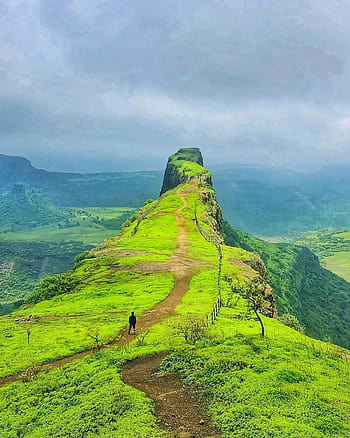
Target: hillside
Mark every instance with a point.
(21, 209)
(302, 287)
(268, 201)
(27, 256)
(164, 266)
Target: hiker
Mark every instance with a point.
(132, 322)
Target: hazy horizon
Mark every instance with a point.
(60, 165)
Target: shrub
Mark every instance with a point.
(53, 285)
(291, 321)
(84, 256)
(191, 327)
(291, 376)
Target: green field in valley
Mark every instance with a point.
(333, 250)
(27, 256)
(88, 225)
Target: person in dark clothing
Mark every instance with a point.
(132, 322)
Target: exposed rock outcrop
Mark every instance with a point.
(174, 174)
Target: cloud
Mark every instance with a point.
(121, 80)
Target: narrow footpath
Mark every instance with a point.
(180, 412)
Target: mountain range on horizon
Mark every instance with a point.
(261, 200)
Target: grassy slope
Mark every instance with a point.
(21, 209)
(27, 256)
(302, 287)
(244, 376)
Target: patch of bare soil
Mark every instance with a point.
(180, 411)
(248, 271)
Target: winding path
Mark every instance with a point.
(177, 409)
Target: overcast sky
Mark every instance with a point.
(121, 84)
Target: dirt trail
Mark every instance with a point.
(179, 410)
(181, 267)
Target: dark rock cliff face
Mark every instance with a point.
(214, 212)
(173, 176)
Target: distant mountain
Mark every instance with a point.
(261, 200)
(272, 201)
(19, 170)
(81, 189)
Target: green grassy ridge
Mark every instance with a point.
(65, 321)
(102, 289)
(278, 386)
(243, 377)
(302, 286)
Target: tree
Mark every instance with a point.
(53, 285)
(94, 334)
(254, 293)
(192, 327)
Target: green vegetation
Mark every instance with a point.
(88, 226)
(21, 209)
(190, 155)
(23, 264)
(285, 385)
(291, 321)
(57, 284)
(302, 287)
(27, 256)
(282, 385)
(333, 249)
(243, 377)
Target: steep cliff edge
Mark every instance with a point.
(185, 167)
(181, 167)
(302, 287)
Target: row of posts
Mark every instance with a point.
(213, 239)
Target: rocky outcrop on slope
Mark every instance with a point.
(174, 173)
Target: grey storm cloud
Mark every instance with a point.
(129, 82)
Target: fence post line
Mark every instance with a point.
(212, 239)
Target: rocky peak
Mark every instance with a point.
(176, 172)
